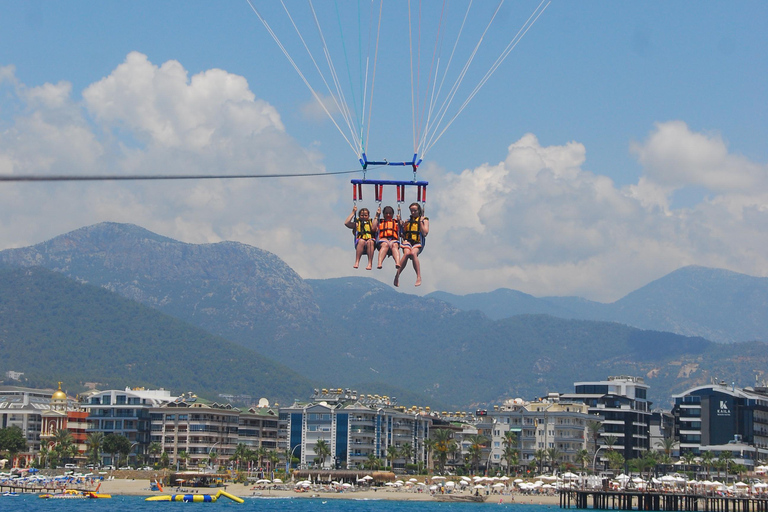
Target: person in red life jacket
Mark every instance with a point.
(365, 234)
(389, 236)
(413, 232)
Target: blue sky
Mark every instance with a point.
(616, 143)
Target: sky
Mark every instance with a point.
(617, 142)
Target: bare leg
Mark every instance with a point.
(358, 252)
(416, 266)
(396, 254)
(383, 250)
(369, 246)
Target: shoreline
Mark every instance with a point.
(130, 487)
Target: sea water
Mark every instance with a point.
(31, 503)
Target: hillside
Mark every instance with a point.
(360, 333)
(716, 304)
(52, 328)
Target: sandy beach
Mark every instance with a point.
(141, 488)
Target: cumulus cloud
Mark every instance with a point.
(540, 223)
(536, 221)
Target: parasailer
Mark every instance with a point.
(364, 230)
(413, 233)
(389, 237)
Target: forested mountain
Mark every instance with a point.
(357, 332)
(53, 328)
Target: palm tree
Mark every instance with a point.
(153, 450)
(582, 457)
(707, 458)
(667, 445)
(593, 428)
(539, 456)
(406, 451)
(725, 458)
(609, 441)
(322, 450)
(183, 457)
(392, 454)
(510, 452)
(476, 444)
(553, 454)
(273, 457)
(240, 455)
(442, 438)
(429, 447)
(94, 441)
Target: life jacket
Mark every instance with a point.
(364, 229)
(388, 229)
(412, 231)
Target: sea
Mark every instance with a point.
(31, 503)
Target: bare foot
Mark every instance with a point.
(355, 265)
(418, 281)
(379, 267)
(397, 280)
(369, 267)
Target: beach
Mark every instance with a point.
(141, 487)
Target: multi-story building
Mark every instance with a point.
(24, 408)
(126, 413)
(625, 410)
(355, 428)
(206, 433)
(718, 414)
(549, 423)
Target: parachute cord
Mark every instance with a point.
(430, 89)
(365, 88)
(410, 54)
(427, 128)
(301, 75)
(511, 46)
(455, 88)
(341, 102)
(373, 78)
(346, 61)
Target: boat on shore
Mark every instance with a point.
(70, 494)
(461, 498)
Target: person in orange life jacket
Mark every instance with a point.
(389, 239)
(413, 231)
(365, 234)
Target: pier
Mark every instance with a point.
(637, 500)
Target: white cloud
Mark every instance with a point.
(535, 221)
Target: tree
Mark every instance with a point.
(442, 438)
(273, 457)
(725, 459)
(429, 447)
(241, 454)
(476, 444)
(540, 456)
(583, 458)
(553, 454)
(707, 458)
(406, 451)
(183, 457)
(62, 443)
(593, 428)
(12, 440)
(153, 450)
(667, 445)
(392, 454)
(615, 459)
(322, 450)
(510, 452)
(94, 442)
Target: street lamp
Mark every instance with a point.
(288, 460)
(210, 450)
(594, 459)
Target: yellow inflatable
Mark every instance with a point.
(195, 498)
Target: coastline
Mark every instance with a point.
(131, 487)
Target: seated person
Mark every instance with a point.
(413, 232)
(389, 236)
(365, 234)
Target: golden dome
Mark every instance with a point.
(59, 395)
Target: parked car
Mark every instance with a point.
(70, 466)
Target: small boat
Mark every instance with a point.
(195, 498)
(461, 498)
(11, 493)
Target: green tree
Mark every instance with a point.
(94, 442)
(510, 452)
(322, 450)
(593, 428)
(273, 457)
(392, 454)
(553, 455)
(667, 445)
(12, 441)
(153, 450)
(583, 458)
(241, 455)
(725, 459)
(442, 438)
(615, 459)
(707, 458)
(476, 444)
(540, 456)
(406, 451)
(164, 459)
(429, 448)
(62, 444)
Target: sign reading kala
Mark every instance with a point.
(723, 409)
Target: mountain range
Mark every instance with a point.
(445, 350)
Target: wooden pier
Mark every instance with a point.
(629, 500)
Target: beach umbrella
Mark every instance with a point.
(479, 487)
(346, 485)
(519, 480)
(413, 480)
(437, 477)
(740, 484)
(463, 482)
(466, 478)
(498, 486)
(504, 478)
(450, 484)
(367, 477)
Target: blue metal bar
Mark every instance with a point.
(413, 163)
(390, 182)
